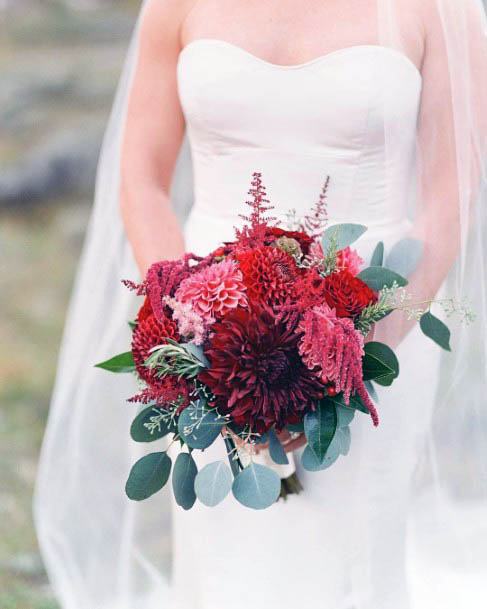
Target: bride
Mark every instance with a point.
(388, 98)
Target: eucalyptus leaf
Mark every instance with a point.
(345, 415)
(149, 425)
(196, 351)
(320, 426)
(341, 235)
(405, 256)
(199, 426)
(183, 479)
(379, 364)
(257, 487)
(213, 483)
(378, 255)
(355, 403)
(435, 329)
(123, 362)
(311, 463)
(148, 476)
(343, 439)
(276, 450)
(378, 277)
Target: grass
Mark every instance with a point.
(34, 288)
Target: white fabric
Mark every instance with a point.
(372, 531)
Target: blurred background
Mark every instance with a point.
(59, 65)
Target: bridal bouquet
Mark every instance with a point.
(262, 340)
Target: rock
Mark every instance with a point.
(64, 165)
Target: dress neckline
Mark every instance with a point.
(299, 66)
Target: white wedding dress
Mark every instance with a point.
(297, 124)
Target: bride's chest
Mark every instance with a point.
(344, 99)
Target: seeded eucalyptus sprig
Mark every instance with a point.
(174, 359)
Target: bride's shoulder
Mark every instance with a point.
(166, 14)
(162, 21)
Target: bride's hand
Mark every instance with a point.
(289, 442)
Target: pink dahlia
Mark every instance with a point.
(332, 345)
(214, 291)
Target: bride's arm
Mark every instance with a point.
(437, 223)
(152, 138)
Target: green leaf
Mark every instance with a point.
(199, 426)
(378, 277)
(405, 256)
(148, 476)
(378, 255)
(355, 403)
(320, 427)
(257, 487)
(342, 235)
(276, 451)
(196, 351)
(296, 427)
(183, 480)
(343, 439)
(148, 425)
(345, 415)
(435, 329)
(380, 364)
(132, 325)
(213, 483)
(311, 463)
(124, 362)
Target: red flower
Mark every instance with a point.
(145, 310)
(149, 333)
(304, 240)
(347, 294)
(268, 274)
(256, 372)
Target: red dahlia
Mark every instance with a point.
(256, 372)
(347, 294)
(268, 274)
(149, 333)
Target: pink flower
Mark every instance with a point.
(214, 291)
(349, 260)
(333, 346)
(191, 326)
(346, 260)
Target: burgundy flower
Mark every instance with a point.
(256, 372)
(347, 294)
(163, 279)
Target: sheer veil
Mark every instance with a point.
(102, 551)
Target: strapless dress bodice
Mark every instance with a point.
(350, 115)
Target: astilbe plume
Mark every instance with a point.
(191, 326)
(254, 233)
(269, 275)
(335, 348)
(214, 291)
(315, 222)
